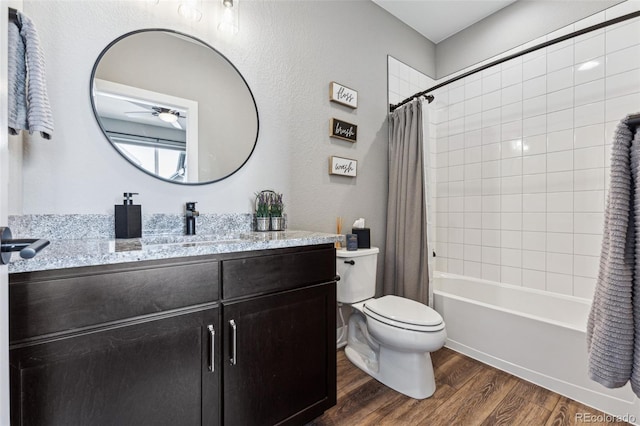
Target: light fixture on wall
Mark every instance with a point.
(229, 22)
(191, 9)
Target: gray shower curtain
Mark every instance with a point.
(406, 253)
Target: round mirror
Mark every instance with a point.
(174, 107)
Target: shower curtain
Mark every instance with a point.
(406, 271)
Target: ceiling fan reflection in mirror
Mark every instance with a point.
(167, 115)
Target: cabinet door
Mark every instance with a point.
(152, 372)
(279, 365)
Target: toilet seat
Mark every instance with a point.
(404, 313)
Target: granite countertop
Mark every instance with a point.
(70, 253)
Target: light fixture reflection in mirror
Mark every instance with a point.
(174, 107)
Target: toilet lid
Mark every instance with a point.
(404, 313)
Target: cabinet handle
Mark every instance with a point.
(232, 323)
(212, 336)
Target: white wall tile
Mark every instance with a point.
(586, 266)
(473, 269)
(560, 263)
(533, 126)
(585, 115)
(623, 84)
(589, 49)
(586, 93)
(532, 184)
(534, 241)
(560, 181)
(560, 79)
(536, 87)
(590, 70)
(584, 287)
(559, 222)
(534, 164)
(534, 145)
(511, 94)
(534, 106)
(559, 242)
(534, 68)
(536, 222)
(534, 279)
(511, 275)
(587, 245)
(589, 201)
(560, 120)
(491, 272)
(559, 283)
(512, 75)
(589, 179)
(623, 60)
(491, 83)
(511, 257)
(560, 58)
(623, 35)
(559, 100)
(589, 136)
(588, 158)
(559, 161)
(618, 108)
(511, 221)
(521, 159)
(491, 238)
(560, 141)
(491, 255)
(534, 202)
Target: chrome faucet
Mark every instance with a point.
(191, 214)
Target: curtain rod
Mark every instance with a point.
(524, 52)
(634, 120)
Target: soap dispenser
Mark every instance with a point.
(128, 218)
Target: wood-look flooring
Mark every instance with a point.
(468, 392)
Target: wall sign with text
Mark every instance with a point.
(343, 166)
(343, 95)
(343, 130)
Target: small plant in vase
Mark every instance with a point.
(276, 208)
(262, 211)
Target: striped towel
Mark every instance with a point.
(614, 319)
(28, 101)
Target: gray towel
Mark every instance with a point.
(28, 101)
(612, 326)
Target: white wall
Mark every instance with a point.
(510, 27)
(522, 162)
(288, 51)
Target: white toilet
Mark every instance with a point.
(389, 338)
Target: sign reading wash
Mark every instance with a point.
(343, 166)
(343, 130)
(343, 95)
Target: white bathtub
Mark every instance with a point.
(535, 335)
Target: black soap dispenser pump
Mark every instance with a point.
(128, 218)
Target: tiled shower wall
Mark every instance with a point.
(521, 158)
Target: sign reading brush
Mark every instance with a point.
(343, 130)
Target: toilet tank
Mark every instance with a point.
(357, 270)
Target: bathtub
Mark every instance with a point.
(535, 335)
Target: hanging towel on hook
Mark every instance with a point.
(27, 98)
(613, 328)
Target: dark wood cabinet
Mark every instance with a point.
(152, 343)
(151, 372)
(276, 362)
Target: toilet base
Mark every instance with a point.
(410, 373)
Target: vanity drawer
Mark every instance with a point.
(270, 273)
(56, 301)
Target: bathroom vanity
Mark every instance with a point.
(234, 338)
